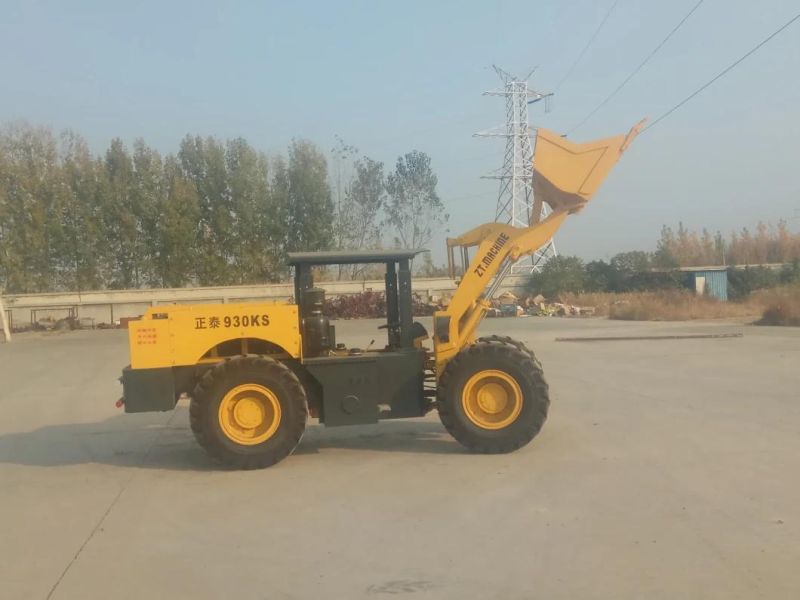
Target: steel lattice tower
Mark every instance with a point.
(515, 201)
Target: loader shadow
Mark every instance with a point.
(159, 441)
(406, 435)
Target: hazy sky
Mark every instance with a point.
(389, 77)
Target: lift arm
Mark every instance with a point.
(566, 176)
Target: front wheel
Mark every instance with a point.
(249, 412)
(493, 397)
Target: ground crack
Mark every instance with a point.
(108, 510)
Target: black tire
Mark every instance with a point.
(204, 411)
(509, 341)
(516, 361)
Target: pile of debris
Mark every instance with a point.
(557, 309)
(65, 324)
(510, 305)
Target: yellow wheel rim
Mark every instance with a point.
(249, 414)
(492, 399)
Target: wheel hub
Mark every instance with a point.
(492, 399)
(249, 414)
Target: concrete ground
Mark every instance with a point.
(668, 469)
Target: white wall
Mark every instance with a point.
(104, 305)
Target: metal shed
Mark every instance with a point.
(709, 281)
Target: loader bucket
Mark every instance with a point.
(566, 175)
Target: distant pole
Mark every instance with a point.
(4, 320)
(515, 201)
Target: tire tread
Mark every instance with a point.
(204, 395)
(506, 350)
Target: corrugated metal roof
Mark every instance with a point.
(709, 268)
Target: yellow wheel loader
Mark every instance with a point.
(255, 372)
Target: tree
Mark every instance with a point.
(203, 163)
(790, 273)
(744, 250)
(344, 156)
(708, 253)
(600, 276)
(560, 274)
(30, 233)
(121, 223)
(761, 244)
(177, 254)
(366, 198)
(147, 196)
(414, 209)
(720, 249)
(429, 269)
(310, 207)
(683, 249)
(84, 258)
(788, 245)
(633, 271)
(253, 212)
(279, 239)
(743, 281)
(628, 263)
(664, 256)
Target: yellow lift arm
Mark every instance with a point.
(566, 176)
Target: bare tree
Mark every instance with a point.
(414, 209)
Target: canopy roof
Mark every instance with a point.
(350, 257)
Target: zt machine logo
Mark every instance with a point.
(234, 321)
(491, 255)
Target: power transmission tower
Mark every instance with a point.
(515, 201)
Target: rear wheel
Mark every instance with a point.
(493, 397)
(249, 412)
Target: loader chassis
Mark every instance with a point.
(358, 386)
(255, 372)
(358, 390)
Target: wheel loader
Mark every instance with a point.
(255, 372)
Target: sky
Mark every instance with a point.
(389, 77)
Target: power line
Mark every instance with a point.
(639, 68)
(588, 45)
(723, 72)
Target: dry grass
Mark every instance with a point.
(665, 306)
(781, 306)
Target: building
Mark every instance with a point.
(709, 281)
